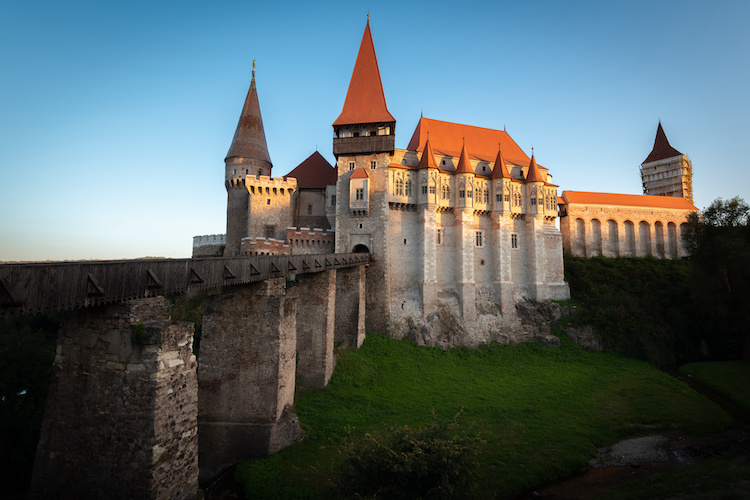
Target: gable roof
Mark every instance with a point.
(249, 139)
(628, 200)
(662, 148)
(314, 173)
(448, 138)
(360, 173)
(365, 100)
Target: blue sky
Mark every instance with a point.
(115, 117)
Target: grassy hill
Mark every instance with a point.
(541, 412)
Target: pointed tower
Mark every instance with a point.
(365, 126)
(666, 171)
(248, 153)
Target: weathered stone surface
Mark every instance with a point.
(350, 307)
(246, 375)
(315, 327)
(119, 422)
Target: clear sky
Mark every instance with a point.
(115, 116)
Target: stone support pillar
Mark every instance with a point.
(464, 245)
(350, 307)
(428, 284)
(121, 414)
(502, 275)
(246, 375)
(316, 294)
(535, 253)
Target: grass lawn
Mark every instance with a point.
(541, 411)
(729, 378)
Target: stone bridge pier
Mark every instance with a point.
(258, 340)
(121, 415)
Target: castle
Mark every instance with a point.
(461, 223)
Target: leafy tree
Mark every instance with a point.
(718, 240)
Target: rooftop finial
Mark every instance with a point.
(253, 69)
(368, 18)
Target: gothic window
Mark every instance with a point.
(446, 192)
(360, 194)
(516, 199)
(269, 232)
(468, 192)
(424, 189)
(399, 187)
(486, 195)
(514, 240)
(479, 238)
(408, 187)
(478, 194)
(432, 189)
(497, 197)
(461, 193)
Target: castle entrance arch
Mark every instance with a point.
(360, 249)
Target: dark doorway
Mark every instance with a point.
(361, 249)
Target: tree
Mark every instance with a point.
(718, 240)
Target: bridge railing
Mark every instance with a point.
(41, 287)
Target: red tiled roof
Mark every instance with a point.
(447, 139)
(533, 175)
(360, 173)
(365, 100)
(464, 165)
(628, 200)
(314, 173)
(662, 149)
(249, 138)
(500, 171)
(428, 157)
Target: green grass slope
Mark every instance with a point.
(542, 412)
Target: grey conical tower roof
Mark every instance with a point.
(249, 142)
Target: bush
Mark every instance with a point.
(433, 461)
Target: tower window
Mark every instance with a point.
(360, 194)
(479, 238)
(373, 163)
(333, 200)
(351, 165)
(268, 202)
(440, 236)
(514, 241)
(309, 209)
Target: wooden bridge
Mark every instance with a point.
(32, 288)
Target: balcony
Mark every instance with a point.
(360, 145)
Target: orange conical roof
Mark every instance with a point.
(428, 157)
(533, 174)
(662, 149)
(501, 170)
(365, 100)
(464, 165)
(250, 139)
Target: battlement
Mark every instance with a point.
(209, 245)
(304, 240)
(263, 246)
(263, 184)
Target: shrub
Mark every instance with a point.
(431, 462)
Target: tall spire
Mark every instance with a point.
(534, 175)
(249, 142)
(662, 148)
(365, 100)
(501, 170)
(464, 165)
(428, 157)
